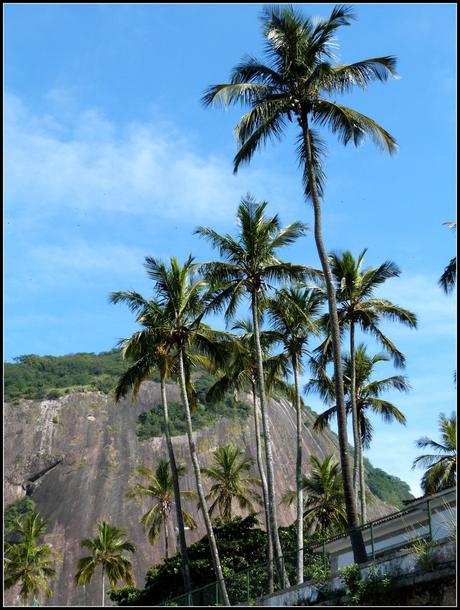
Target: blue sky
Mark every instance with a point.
(111, 157)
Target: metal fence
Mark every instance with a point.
(425, 517)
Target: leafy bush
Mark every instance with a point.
(365, 591)
(424, 557)
(16, 509)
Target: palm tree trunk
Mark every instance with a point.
(356, 537)
(354, 416)
(177, 499)
(103, 586)
(298, 473)
(166, 539)
(263, 480)
(199, 485)
(277, 551)
(362, 483)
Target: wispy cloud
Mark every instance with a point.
(81, 160)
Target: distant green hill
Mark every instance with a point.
(38, 377)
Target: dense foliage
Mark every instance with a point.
(16, 509)
(151, 422)
(32, 376)
(241, 549)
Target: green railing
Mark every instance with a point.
(253, 583)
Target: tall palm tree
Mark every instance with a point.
(293, 313)
(358, 307)
(231, 481)
(251, 268)
(324, 506)
(449, 277)
(28, 562)
(367, 393)
(148, 354)
(107, 550)
(441, 466)
(180, 291)
(239, 375)
(297, 84)
(160, 489)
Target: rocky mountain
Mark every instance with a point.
(74, 455)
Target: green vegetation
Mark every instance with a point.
(15, 510)
(441, 466)
(107, 550)
(37, 377)
(151, 424)
(365, 591)
(386, 486)
(159, 489)
(29, 563)
(243, 557)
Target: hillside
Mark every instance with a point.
(38, 377)
(72, 457)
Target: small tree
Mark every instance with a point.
(441, 466)
(159, 488)
(27, 562)
(324, 502)
(107, 550)
(229, 475)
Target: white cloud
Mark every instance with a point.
(421, 294)
(90, 164)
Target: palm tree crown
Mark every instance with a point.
(441, 466)
(299, 79)
(252, 265)
(324, 506)
(293, 314)
(368, 392)
(358, 306)
(449, 277)
(231, 482)
(159, 488)
(28, 562)
(107, 549)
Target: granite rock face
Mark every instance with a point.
(74, 457)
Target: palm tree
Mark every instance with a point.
(324, 506)
(240, 374)
(251, 268)
(367, 398)
(160, 489)
(231, 482)
(297, 84)
(107, 550)
(293, 314)
(180, 292)
(449, 277)
(27, 562)
(442, 466)
(358, 307)
(148, 354)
